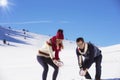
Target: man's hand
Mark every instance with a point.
(83, 72)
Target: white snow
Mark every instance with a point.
(18, 60)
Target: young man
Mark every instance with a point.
(49, 54)
(91, 54)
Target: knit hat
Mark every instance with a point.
(60, 34)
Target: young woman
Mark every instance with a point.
(49, 54)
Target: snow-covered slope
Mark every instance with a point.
(18, 60)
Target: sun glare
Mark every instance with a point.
(5, 6)
(3, 3)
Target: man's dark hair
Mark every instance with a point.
(79, 39)
(60, 30)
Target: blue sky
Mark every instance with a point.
(97, 21)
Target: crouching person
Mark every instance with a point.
(91, 54)
(49, 54)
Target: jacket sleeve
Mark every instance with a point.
(79, 57)
(50, 51)
(89, 61)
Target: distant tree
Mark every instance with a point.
(9, 30)
(23, 29)
(4, 41)
(9, 27)
(24, 32)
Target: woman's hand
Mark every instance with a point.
(58, 63)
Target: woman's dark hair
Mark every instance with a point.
(79, 39)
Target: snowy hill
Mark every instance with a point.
(18, 59)
(9, 35)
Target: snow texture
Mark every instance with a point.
(18, 59)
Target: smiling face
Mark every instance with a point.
(59, 41)
(80, 44)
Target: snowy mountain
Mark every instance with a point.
(18, 58)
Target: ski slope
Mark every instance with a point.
(18, 59)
